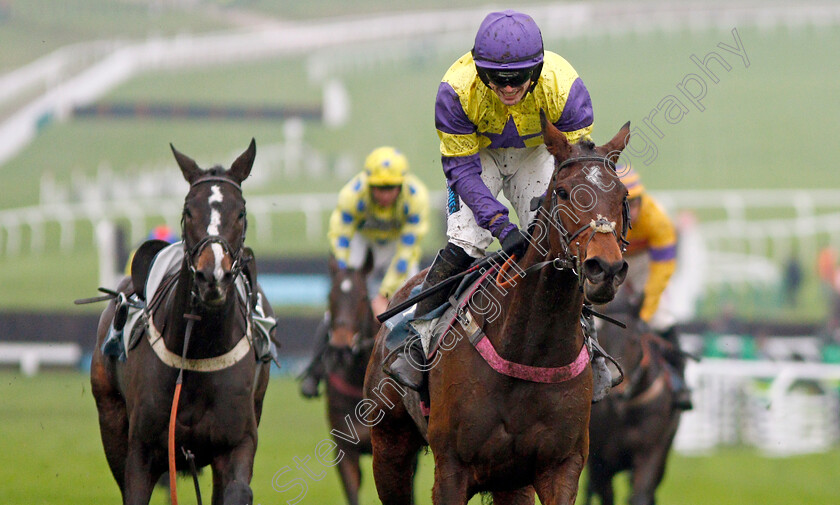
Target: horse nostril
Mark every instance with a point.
(201, 277)
(622, 271)
(593, 269)
(227, 278)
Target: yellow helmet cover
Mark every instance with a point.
(631, 181)
(386, 166)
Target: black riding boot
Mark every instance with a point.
(449, 261)
(315, 371)
(675, 359)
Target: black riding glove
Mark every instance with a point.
(515, 243)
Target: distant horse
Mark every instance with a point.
(525, 427)
(634, 427)
(221, 396)
(351, 331)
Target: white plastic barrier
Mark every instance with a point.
(30, 356)
(781, 407)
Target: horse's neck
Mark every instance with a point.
(216, 323)
(540, 318)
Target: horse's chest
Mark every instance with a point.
(522, 430)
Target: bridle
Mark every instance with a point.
(191, 252)
(572, 261)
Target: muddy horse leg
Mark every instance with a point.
(232, 475)
(524, 496)
(559, 486)
(351, 475)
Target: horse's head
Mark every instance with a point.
(349, 305)
(586, 211)
(214, 224)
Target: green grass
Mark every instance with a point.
(51, 454)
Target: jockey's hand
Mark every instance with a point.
(379, 305)
(515, 243)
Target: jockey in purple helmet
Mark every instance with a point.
(487, 115)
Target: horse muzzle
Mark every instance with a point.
(213, 289)
(601, 279)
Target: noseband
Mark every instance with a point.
(190, 253)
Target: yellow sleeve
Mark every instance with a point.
(662, 250)
(658, 277)
(407, 256)
(345, 218)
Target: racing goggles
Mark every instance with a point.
(509, 77)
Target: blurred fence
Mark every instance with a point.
(781, 407)
(735, 246)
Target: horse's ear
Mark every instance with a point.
(555, 141)
(612, 149)
(188, 166)
(368, 266)
(333, 265)
(241, 168)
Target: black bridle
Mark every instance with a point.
(234, 251)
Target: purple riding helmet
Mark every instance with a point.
(508, 49)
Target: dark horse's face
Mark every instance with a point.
(214, 224)
(349, 304)
(588, 208)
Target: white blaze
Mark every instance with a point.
(215, 216)
(213, 229)
(219, 254)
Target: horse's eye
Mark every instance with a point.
(241, 215)
(187, 213)
(562, 193)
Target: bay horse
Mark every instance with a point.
(351, 330)
(201, 326)
(634, 427)
(508, 435)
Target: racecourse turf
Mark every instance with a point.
(50, 454)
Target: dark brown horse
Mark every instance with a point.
(505, 434)
(223, 384)
(634, 427)
(351, 330)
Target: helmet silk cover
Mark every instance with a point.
(508, 40)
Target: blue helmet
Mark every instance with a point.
(508, 48)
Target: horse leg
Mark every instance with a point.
(600, 483)
(232, 475)
(450, 483)
(351, 475)
(559, 486)
(110, 404)
(395, 462)
(524, 496)
(139, 478)
(648, 470)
